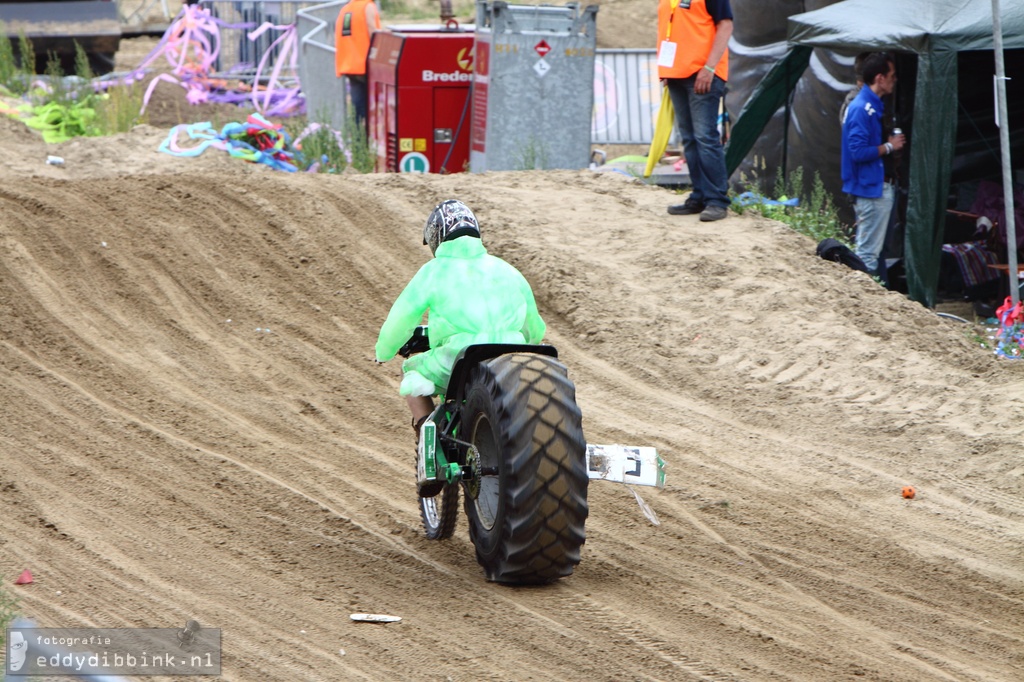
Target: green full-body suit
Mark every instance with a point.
(472, 297)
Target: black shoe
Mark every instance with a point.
(689, 207)
(712, 213)
(984, 310)
(430, 488)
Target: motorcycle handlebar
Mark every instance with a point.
(417, 343)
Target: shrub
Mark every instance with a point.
(815, 215)
(8, 611)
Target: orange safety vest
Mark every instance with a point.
(693, 32)
(352, 39)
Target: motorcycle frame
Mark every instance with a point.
(448, 415)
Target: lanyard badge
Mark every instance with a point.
(673, 6)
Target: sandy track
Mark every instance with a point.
(165, 457)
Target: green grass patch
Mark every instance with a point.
(117, 110)
(16, 76)
(333, 151)
(8, 612)
(815, 214)
(531, 155)
(399, 9)
(68, 106)
(357, 141)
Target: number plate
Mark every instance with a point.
(626, 464)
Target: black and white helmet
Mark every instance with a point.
(449, 219)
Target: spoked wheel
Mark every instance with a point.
(528, 506)
(440, 512)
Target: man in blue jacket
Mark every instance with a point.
(472, 297)
(862, 165)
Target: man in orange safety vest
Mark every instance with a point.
(357, 20)
(693, 61)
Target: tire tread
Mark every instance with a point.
(543, 528)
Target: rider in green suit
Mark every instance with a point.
(472, 297)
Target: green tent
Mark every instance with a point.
(938, 39)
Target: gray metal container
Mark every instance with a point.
(533, 86)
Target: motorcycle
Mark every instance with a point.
(509, 435)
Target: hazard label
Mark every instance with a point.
(542, 48)
(541, 67)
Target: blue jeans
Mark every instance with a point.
(697, 118)
(357, 90)
(872, 222)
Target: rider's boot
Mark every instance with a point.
(416, 424)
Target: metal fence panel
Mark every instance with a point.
(239, 56)
(627, 95)
(324, 92)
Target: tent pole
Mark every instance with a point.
(1004, 148)
(785, 131)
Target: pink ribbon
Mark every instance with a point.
(287, 44)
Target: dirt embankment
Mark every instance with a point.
(193, 429)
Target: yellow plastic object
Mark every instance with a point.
(662, 132)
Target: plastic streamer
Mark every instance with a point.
(1010, 337)
(192, 45)
(61, 122)
(651, 515)
(257, 140)
(278, 100)
(750, 198)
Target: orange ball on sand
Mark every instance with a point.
(909, 492)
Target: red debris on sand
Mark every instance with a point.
(25, 578)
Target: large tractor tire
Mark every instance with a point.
(528, 508)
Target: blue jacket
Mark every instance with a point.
(863, 170)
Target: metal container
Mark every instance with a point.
(419, 82)
(533, 86)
